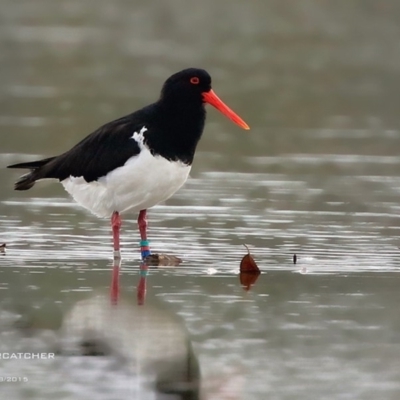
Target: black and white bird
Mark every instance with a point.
(137, 161)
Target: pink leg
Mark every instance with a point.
(114, 290)
(141, 289)
(116, 226)
(144, 244)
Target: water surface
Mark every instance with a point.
(318, 176)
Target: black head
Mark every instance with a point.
(187, 85)
(191, 89)
(178, 117)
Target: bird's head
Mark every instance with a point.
(193, 86)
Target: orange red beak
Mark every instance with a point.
(211, 98)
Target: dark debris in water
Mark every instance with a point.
(162, 260)
(3, 248)
(94, 347)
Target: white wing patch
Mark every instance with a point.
(139, 136)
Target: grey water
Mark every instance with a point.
(318, 175)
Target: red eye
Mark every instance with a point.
(195, 80)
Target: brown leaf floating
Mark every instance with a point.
(248, 264)
(249, 271)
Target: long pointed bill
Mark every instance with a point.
(211, 98)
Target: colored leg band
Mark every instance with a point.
(145, 253)
(144, 243)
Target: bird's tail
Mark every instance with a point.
(26, 181)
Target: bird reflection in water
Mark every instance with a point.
(152, 260)
(115, 287)
(143, 338)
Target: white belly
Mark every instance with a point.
(144, 181)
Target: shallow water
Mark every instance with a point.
(317, 176)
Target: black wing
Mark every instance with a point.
(106, 149)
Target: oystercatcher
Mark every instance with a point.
(139, 160)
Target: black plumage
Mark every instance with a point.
(174, 126)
